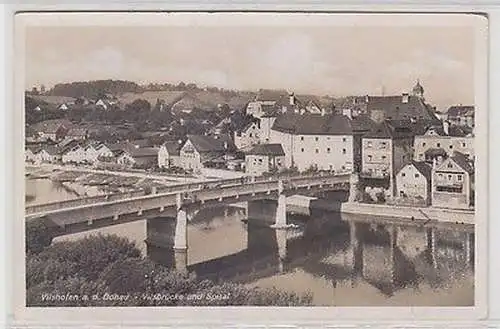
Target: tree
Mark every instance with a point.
(38, 235)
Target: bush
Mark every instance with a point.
(38, 235)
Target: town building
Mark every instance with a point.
(453, 182)
(74, 154)
(385, 150)
(63, 107)
(201, 151)
(248, 135)
(53, 130)
(461, 115)
(77, 133)
(169, 154)
(264, 158)
(413, 184)
(319, 141)
(102, 104)
(139, 157)
(442, 141)
(47, 154)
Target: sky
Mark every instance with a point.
(321, 60)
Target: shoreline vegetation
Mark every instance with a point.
(107, 270)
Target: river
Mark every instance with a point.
(384, 265)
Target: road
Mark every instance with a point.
(156, 176)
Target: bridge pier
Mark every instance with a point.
(280, 214)
(468, 246)
(180, 238)
(357, 249)
(431, 245)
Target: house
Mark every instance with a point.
(385, 150)
(461, 115)
(30, 153)
(54, 130)
(102, 151)
(264, 158)
(413, 183)
(169, 154)
(139, 157)
(248, 135)
(74, 154)
(47, 154)
(201, 151)
(322, 141)
(77, 133)
(102, 104)
(37, 109)
(443, 139)
(124, 158)
(452, 182)
(63, 107)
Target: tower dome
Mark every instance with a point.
(418, 90)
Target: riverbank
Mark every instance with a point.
(300, 204)
(415, 213)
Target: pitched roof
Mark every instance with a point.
(172, 147)
(387, 129)
(423, 168)
(394, 108)
(270, 95)
(267, 149)
(313, 124)
(461, 160)
(453, 130)
(205, 143)
(144, 152)
(460, 110)
(362, 123)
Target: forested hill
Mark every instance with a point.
(94, 89)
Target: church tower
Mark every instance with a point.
(418, 90)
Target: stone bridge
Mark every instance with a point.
(180, 203)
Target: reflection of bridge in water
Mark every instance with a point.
(336, 247)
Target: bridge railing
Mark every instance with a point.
(172, 189)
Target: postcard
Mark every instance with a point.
(192, 166)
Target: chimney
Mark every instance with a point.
(367, 98)
(347, 113)
(405, 98)
(292, 99)
(446, 127)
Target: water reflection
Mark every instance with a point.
(43, 190)
(339, 251)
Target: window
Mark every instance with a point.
(343, 167)
(250, 135)
(459, 177)
(384, 157)
(316, 139)
(423, 144)
(344, 139)
(369, 144)
(302, 150)
(328, 150)
(369, 158)
(438, 144)
(301, 138)
(260, 160)
(463, 144)
(344, 151)
(440, 175)
(383, 145)
(417, 175)
(317, 150)
(451, 146)
(403, 175)
(450, 165)
(449, 177)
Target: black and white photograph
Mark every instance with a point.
(251, 160)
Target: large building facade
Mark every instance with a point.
(323, 142)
